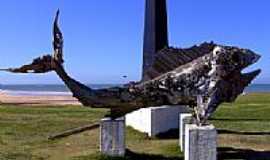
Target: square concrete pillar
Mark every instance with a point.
(200, 142)
(112, 137)
(184, 118)
(156, 120)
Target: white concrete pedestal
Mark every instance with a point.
(184, 119)
(156, 120)
(200, 142)
(112, 137)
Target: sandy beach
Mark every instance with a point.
(6, 98)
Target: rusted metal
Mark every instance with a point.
(209, 70)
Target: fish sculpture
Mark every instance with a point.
(201, 77)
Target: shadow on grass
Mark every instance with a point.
(224, 153)
(137, 156)
(238, 120)
(224, 131)
(174, 134)
(130, 156)
(227, 153)
(171, 134)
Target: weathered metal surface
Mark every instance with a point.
(211, 71)
(169, 58)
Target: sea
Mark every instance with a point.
(44, 89)
(57, 89)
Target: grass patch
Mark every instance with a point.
(243, 128)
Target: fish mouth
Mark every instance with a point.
(256, 58)
(247, 78)
(253, 74)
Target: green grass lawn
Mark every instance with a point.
(244, 131)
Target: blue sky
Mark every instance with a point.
(103, 38)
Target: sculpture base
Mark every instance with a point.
(112, 137)
(200, 142)
(156, 120)
(184, 119)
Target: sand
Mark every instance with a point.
(38, 100)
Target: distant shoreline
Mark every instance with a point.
(62, 90)
(37, 100)
(36, 93)
(50, 100)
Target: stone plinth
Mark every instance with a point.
(184, 118)
(112, 137)
(200, 142)
(156, 120)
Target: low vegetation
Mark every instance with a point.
(244, 131)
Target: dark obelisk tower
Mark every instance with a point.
(155, 32)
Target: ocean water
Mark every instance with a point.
(63, 90)
(41, 89)
(262, 88)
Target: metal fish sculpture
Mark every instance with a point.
(201, 77)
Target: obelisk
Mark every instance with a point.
(155, 32)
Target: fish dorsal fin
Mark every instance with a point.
(170, 58)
